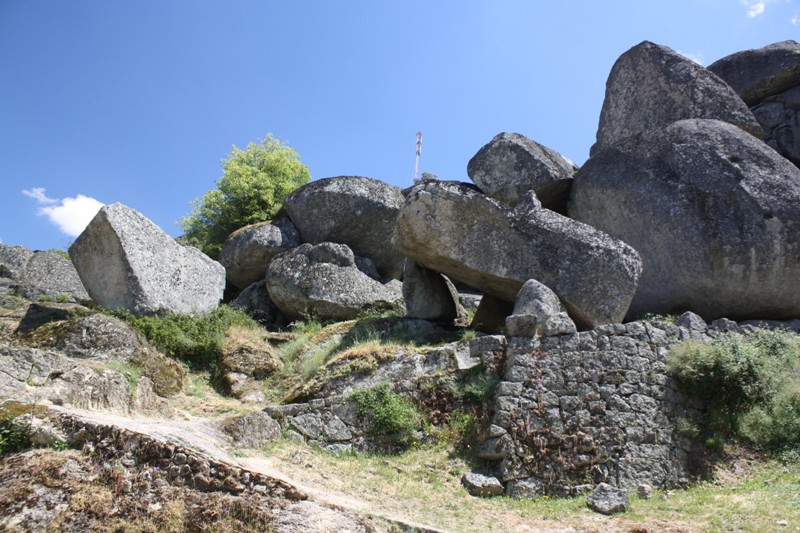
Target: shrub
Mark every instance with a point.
(196, 340)
(389, 416)
(749, 385)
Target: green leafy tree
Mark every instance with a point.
(254, 183)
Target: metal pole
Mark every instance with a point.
(419, 151)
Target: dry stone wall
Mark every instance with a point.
(591, 407)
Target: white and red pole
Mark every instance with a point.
(419, 151)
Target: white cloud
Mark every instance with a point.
(795, 20)
(756, 7)
(71, 215)
(37, 193)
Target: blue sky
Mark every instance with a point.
(137, 101)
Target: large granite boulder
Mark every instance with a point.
(359, 212)
(328, 282)
(255, 301)
(651, 86)
(247, 251)
(125, 261)
(454, 229)
(537, 311)
(40, 274)
(760, 73)
(511, 165)
(714, 213)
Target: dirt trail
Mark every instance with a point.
(203, 435)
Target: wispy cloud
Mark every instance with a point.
(795, 20)
(697, 57)
(71, 215)
(756, 7)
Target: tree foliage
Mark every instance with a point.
(254, 183)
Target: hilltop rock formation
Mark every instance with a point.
(39, 274)
(768, 79)
(247, 251)
(125, 261)
(760, 73)
(454, 229)
(356, 211)
(328, 281)
(651, 86)
(714, 213)
(511, 165)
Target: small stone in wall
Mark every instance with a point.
(608, 500)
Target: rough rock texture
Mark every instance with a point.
(247, 251)
(96, 336)
(452, 228)
(252, 430)
(356, 211)
(29, 374)
(713, 212)
(480, 485)
(757, 74)
(40, 274)
(431, 296)
(511, 165)
(608, 500)
(593, 407)
(126, 261)
(536, 310)
(779, 115)
(325, 281)
(255, 301)
(491, 314)
(651, 86)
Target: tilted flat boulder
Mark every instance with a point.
(325, 281)
(40, 274)
(125, 261)
(356, 211)
(511, 165)
(456, 230)
(651, 86)
(757, 74)
(247, 251)
(714, 213)
(430, 295)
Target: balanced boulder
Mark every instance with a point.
(760, 73)
(511, 165)
(454, 229)
(651, 86)
(714, 213)
(125, 261)
(359, 212)
(247, 251)
(327, 281)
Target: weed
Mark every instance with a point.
(62, 298)
(44, 298)
(389, 416)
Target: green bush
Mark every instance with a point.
(196, 340)
(389, 416)
(254, 183)
(749, 385)
(14, 437)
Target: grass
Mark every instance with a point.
(423, 485)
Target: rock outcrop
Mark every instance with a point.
(247, 251)
(511, 165)
(356, 211)
(762, 72)
(431, 296)
(125, 261)
(538, 311)
(327, 281)
(651, 86)
(714, 213)
(454, 229)
(40, 275)
(768, 80)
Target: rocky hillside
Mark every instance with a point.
(536, 322)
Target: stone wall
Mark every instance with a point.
(173, 463)
(590, 407)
